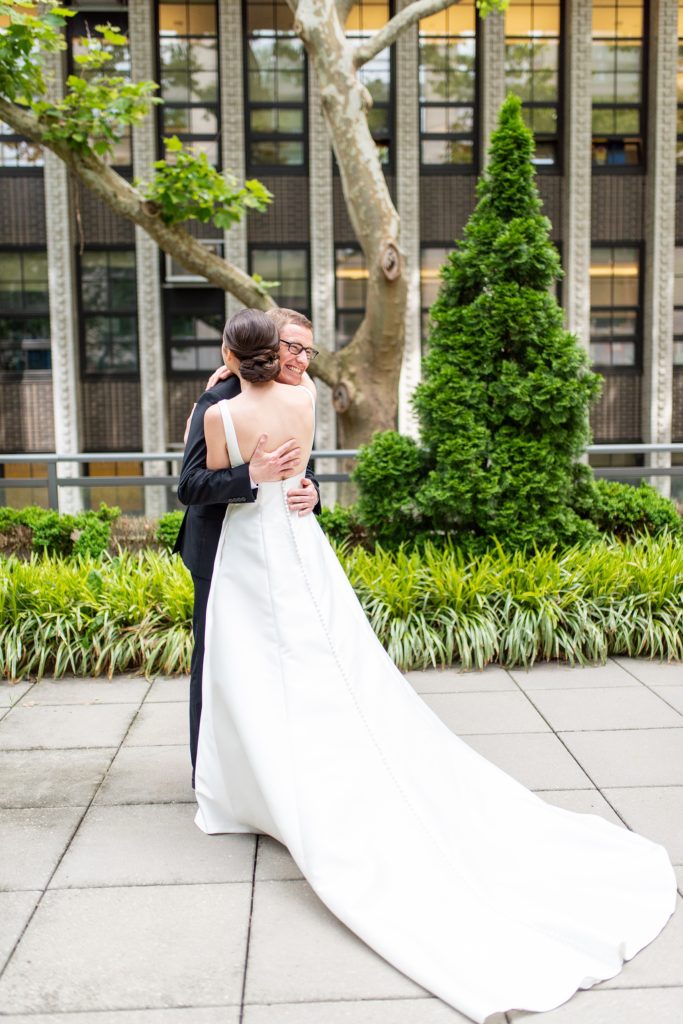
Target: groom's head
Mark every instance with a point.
(297, 330)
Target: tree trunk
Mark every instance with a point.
(366, 373)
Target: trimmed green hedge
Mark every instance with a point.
(133, 613)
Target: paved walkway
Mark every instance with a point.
(115, 909)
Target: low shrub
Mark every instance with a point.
(48, 531)
(626, 511)
(133, 613)
(341, 525)
(167, 530)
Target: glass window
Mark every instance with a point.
(15, 151)
(188, 75)
(532, 70)
(617, 83)
(82, 27)
(615, 305)
(275, 87)
(448, 87)
(433, 258)
(109, 312)
(351, 281)
(365, 17)
(24, 312)
(194, 321)
(289, 267)
(128, 497)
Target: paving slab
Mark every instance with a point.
(72, 726)
(148, 845)
(160, 724)
(52, 778)
(537, 760)
(453, 680)
(655, 812)
(274, 862)
(654, 673)
(600, 1006)
(11, 693)
(659, 964)
(195, 1015)
(163, 946)
(673, 695)
(32, 841)
(633, 757)
(100, 690)
(558, 675)
(466, 713)
(604, 708)
(148, 775)
(15, 910)
(299, 952)
(368, 1011)
(583, 801)
(165, 689)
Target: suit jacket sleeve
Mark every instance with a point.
(197, 484)
(309, 473)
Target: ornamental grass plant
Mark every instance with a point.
(433, 607)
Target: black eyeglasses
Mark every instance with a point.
(296, 349)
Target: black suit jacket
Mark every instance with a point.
(208, 492)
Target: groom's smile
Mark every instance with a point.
(293, 367)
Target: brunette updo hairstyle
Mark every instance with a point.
(254, 339)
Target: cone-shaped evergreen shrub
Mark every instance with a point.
(503, 405)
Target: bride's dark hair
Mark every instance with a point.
(254, 339)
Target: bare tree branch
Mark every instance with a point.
(393, 28)
(343, 10)
(121, 197)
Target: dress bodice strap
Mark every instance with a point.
(234, 452)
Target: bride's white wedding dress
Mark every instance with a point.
(455, 873)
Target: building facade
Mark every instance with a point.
(105, 342)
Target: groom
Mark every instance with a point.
(207, 493)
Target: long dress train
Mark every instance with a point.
(450, 869)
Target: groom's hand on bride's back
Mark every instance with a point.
(266, 467)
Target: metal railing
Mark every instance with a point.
(170, 462)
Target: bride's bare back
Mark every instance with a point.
(283, 412)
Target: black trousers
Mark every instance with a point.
(201, 599)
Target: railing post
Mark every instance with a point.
(52, 485)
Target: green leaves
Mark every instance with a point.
(29, 29)
(186, 187)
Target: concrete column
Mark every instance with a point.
(142, 38)
(232, 127)
(492, 62)
(408, 202)
(322, 272)
(577, 196)
(660, 208)
(62, 291)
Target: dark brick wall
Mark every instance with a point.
(111, 415)
(22, 211)
(26, 420)
(180, 397)
(96, 224)
(445, 206)
(677, 424)
(617, 208)
(616, 416)
(286, 219)
(550, 189)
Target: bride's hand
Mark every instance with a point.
(222, 373)
(266, 467)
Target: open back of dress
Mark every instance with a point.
(450, 869)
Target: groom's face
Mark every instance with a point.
(292, 367)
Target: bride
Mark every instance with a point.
(451, 870)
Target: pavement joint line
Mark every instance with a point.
(68, 844)
(248, 939)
